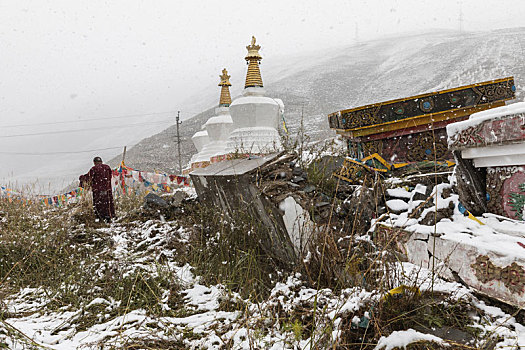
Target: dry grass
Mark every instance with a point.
(227, 251)
(61, 249)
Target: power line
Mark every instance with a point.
(94, 119)
(59, 152)
(82, 130)
(84, 120)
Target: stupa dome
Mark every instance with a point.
(255, 116)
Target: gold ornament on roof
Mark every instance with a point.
(253, 50)
(225, 78)
(225, 99)
(253, 58)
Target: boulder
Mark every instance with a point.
(154, 201)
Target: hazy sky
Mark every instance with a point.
(68, 62)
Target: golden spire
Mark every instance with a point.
(253, 58)
(225, 99)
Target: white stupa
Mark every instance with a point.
(255, 116)
(220, 126)
(199, 139)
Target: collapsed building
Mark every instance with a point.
(412, 129)
(471, 130)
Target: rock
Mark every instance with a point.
(449, 333)
(397, 206)
(447, 192)
(177, 198)
(297, 179)
(430, 219)
(324, 198)
(155, 202)
(420, 193)
(168, 207)
(309, 189)
(398, 192)
(321, 204)
(297, 171)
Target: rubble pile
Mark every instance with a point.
(432, 229)
(305, 213)
(412, 213)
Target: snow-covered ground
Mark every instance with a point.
(210, 316)
(256, 326)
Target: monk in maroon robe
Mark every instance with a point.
(99, 177)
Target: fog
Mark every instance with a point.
(80, 79)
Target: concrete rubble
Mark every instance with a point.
(272, 190)
(415, 215)
(486, 253)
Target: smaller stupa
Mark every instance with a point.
(255, 116)
(220, 126)
(199, 139)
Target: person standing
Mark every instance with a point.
(99, 177)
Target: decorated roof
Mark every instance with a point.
(449, 103)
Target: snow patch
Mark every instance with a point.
(401, 339)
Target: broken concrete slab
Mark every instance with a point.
(298, 224)
(490, 151)
(233, 186)
(491, 271)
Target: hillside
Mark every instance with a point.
(320, 83)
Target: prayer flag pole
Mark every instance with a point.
(124, 155)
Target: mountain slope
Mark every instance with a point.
(364, 73)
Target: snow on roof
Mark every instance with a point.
(478, 118)
(234, 166)
(202, 133)
(220, 119)
(254, 100)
